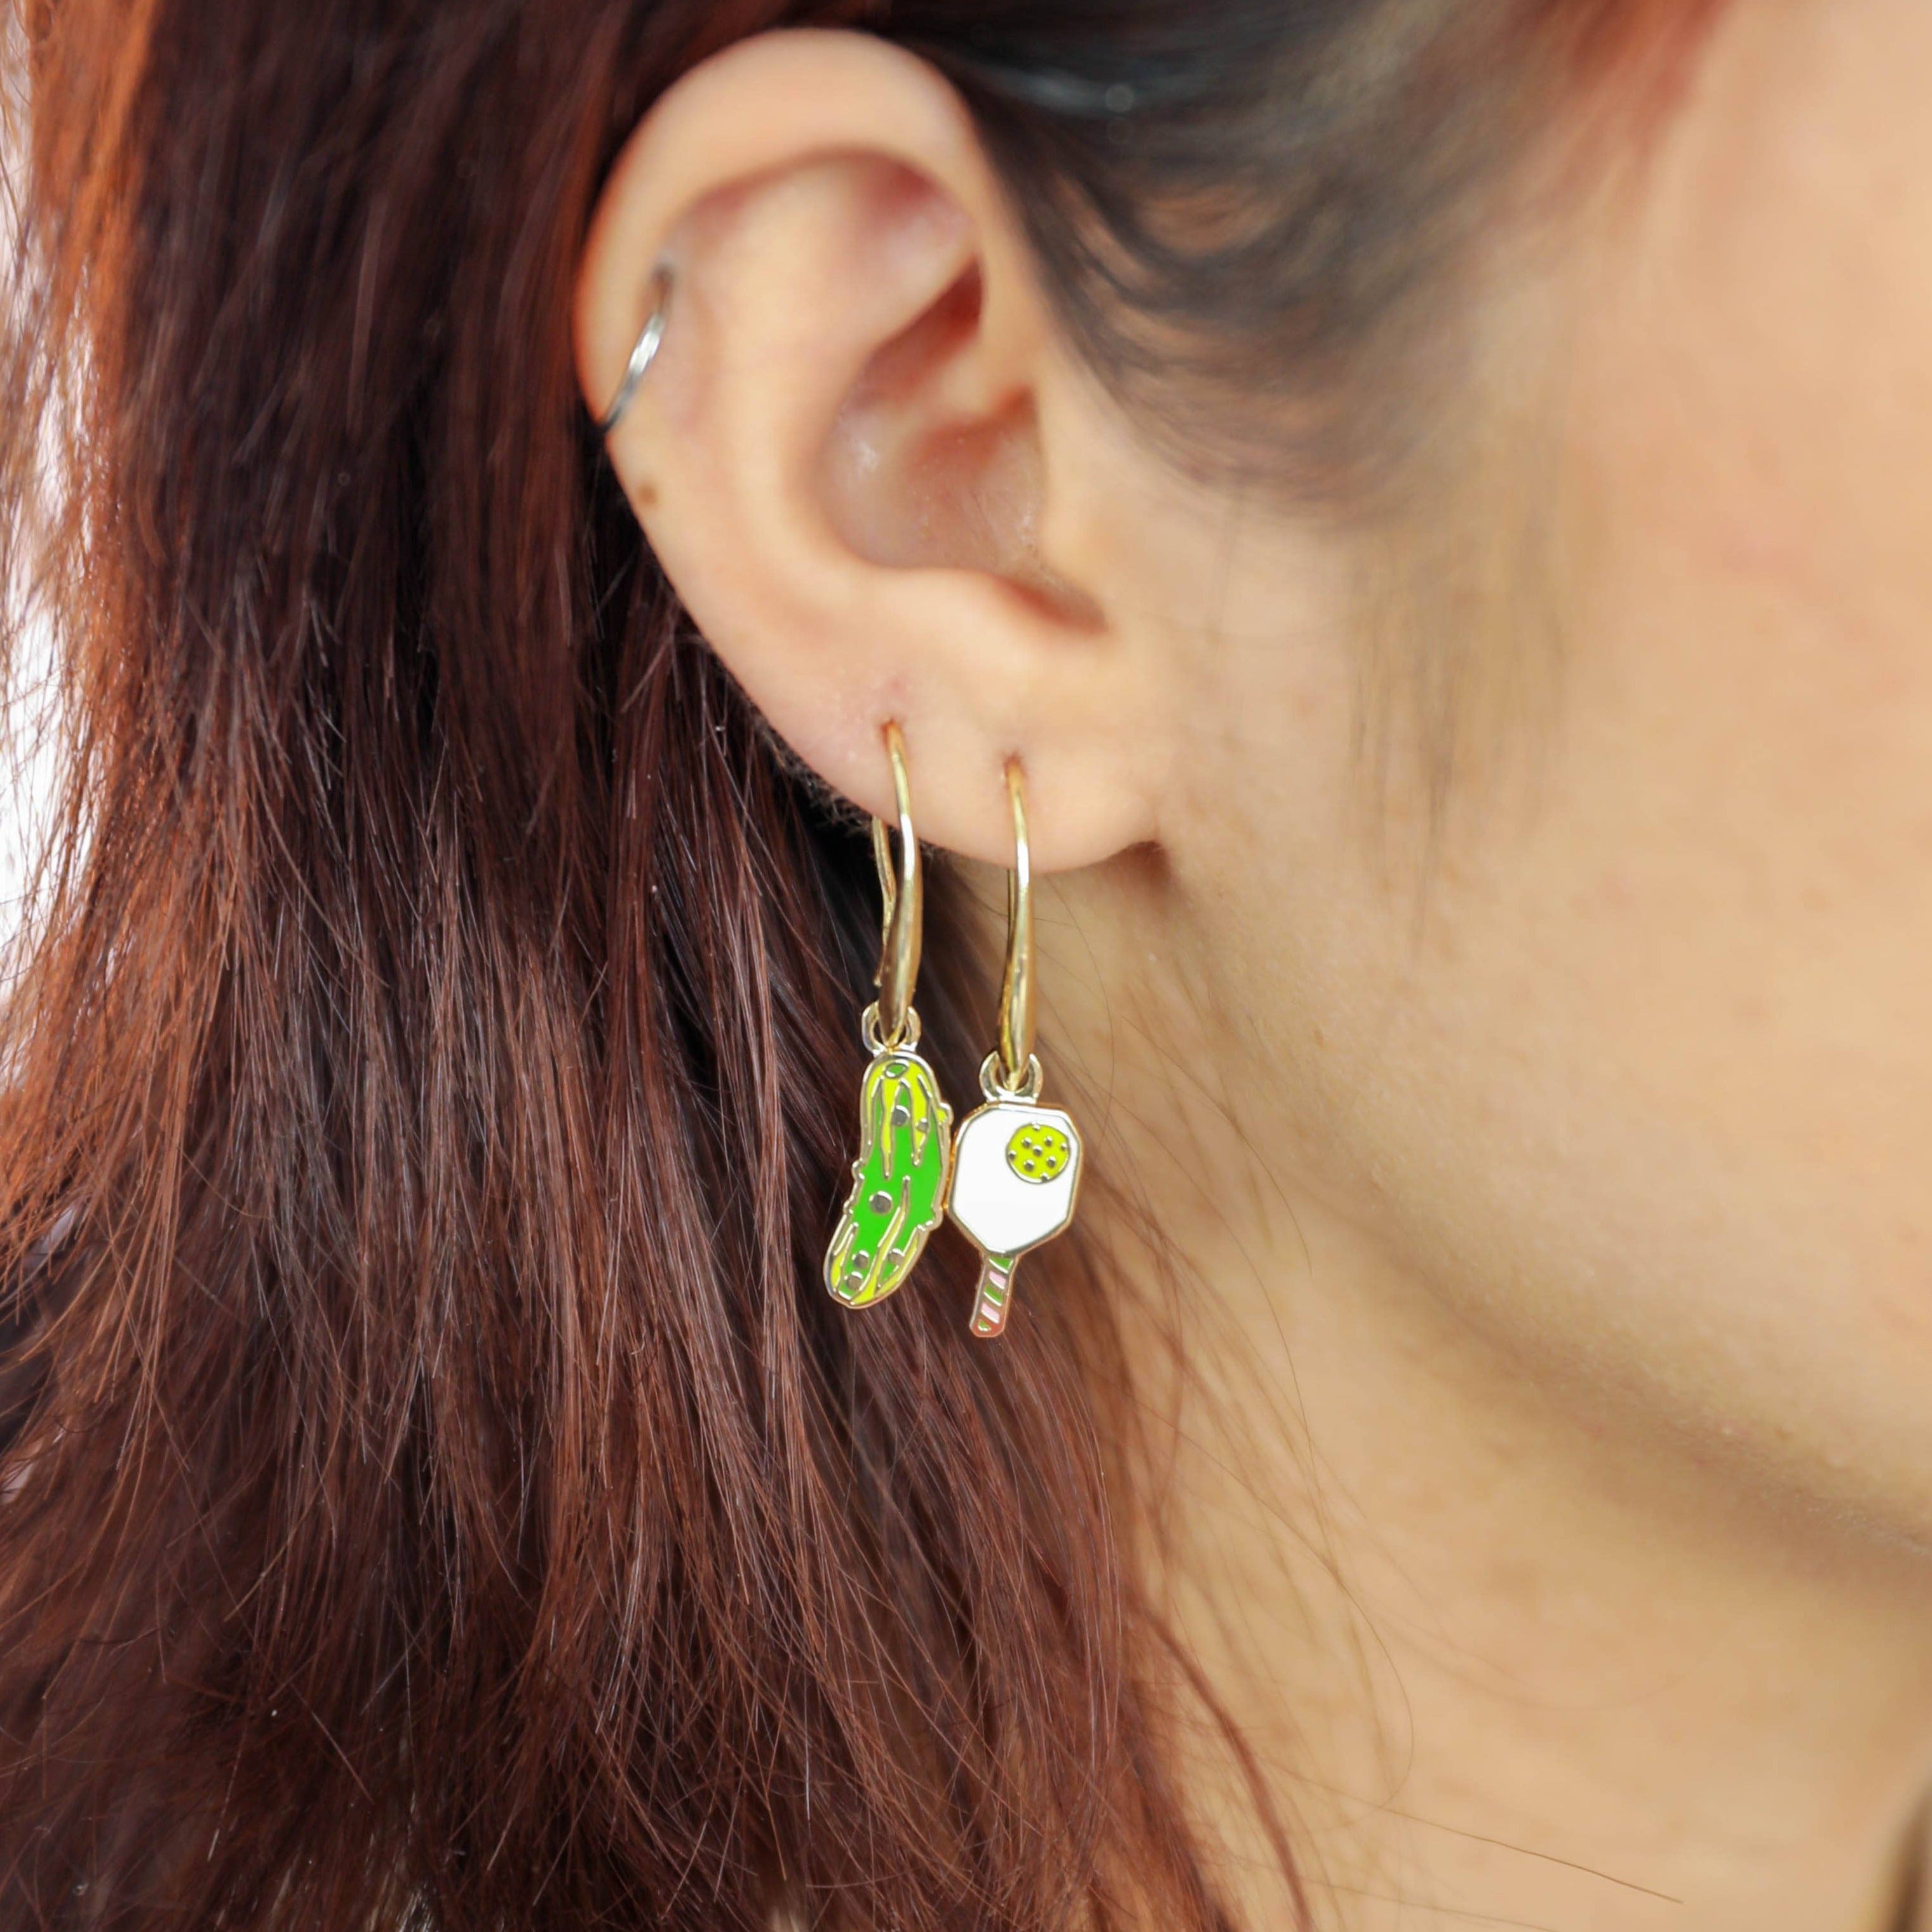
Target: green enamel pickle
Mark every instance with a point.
(899, 1180)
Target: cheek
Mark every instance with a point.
(1751, 774)
(1754, 393)
(1648, 1082)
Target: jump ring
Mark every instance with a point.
(1027, 1087)
(875, 1038)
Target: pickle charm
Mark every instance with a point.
(899, 1180)
(905, 1129)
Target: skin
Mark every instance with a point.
(1550, 1488)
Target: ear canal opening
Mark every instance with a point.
(912, 483)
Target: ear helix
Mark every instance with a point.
(1016, 1163)
(905, 1149)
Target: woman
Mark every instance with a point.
(1421, 504)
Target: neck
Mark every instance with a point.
(1503, 1652)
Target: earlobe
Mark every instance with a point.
(838, 453)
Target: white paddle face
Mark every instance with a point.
(1016, 1171)
(1016, 1168)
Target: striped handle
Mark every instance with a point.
(989, 1308)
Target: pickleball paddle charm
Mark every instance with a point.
(905, 1128)
(1016, 1163)
(1015, 1172)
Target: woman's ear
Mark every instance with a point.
(845, 455)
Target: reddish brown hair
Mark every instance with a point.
(436, 1489)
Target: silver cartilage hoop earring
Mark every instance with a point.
(642, 355)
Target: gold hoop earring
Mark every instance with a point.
(1015, 1164)
(905, 1147)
